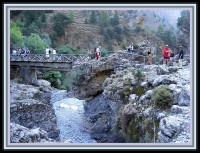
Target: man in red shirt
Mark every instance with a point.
(166, 57)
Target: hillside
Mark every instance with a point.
(86, 29)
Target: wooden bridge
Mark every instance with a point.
(30, 63)
(59, 62)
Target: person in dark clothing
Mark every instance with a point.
(180, 56)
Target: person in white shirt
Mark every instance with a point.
(98, 53)
(47, 52)
(54, 54)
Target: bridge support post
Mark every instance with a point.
(29, 75)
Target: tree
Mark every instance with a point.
(35, 43)
(160, 31)
(16, 37)
(60, 21)
(184, 22)
(114, 20)
(93, 17)
(67, 49)
(104, 19)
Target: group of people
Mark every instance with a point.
(168, 56)
(20, 52)
(50, 52)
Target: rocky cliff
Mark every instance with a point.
(135, 103)
(31, 107)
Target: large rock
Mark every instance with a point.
(21, 134)
(32, 108)
(184, 98)
(91, 75)
(33, 114)
(170, 127)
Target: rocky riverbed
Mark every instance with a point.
(71, 121)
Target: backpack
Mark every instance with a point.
(172, 54)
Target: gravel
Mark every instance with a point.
(71, 122)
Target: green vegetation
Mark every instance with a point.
(104, 18)
(162, 97)
(93, 17)
(52, 76)
(114, 21)
(183, 25)
(67, 49)
(167, 35)
(16, 37)
(35, 43)
(60, 21)
(71, 78)
(138, 75)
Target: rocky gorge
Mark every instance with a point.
(123, 103)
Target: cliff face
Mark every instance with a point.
(31, 107)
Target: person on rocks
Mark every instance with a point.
(171, 54)
(149, 57)
(166, 57)
(98, 52)
(180, 57)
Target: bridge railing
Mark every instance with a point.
(46, 57)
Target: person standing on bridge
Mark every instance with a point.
(47, 52)
(54, 54)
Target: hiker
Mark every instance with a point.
(180, 56)
(98, 52)
(130, 52)
(47, 52)
(149, 57)
(171, 57)
(14, 54)
(54, 54)
(165, 51)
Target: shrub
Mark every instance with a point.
(52, 76)
(62, 87)
(138, 74)
(35, 43)
(67, 49)
(60, 21)
(16, 36)
(162, 97)
(69, 79)
(135, 46)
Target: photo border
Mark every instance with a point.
(146, 146)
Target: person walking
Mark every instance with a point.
(98, 52)
(165, 51)
(171, 54)
(180, 56)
